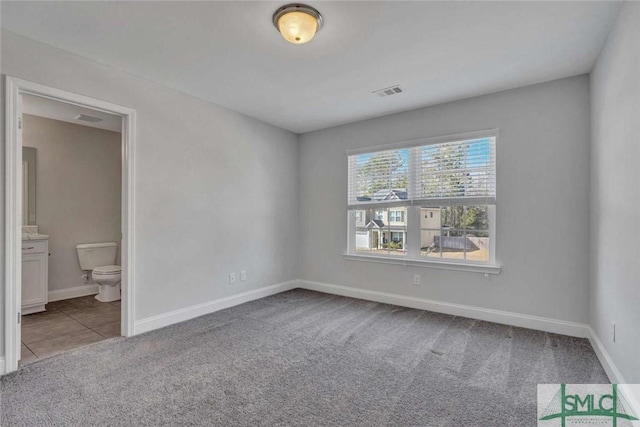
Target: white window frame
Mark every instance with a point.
(392, 216)
(413, 220)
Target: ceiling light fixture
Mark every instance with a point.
(297, 23)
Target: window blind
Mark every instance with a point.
(456, 172)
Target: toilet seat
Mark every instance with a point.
(107, 270)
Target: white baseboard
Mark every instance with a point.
(177, 316)
(75, 292)
(631, 392)
(605, 360)
(2, 371)
(508, 318)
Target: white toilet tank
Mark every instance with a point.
(92, 255)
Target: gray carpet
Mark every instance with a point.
(303, 358)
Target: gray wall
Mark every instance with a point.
(615, 193)
(216, 191)
(542, 211)
(78, 194)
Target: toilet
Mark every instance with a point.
(100, 259)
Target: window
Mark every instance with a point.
(396, 216)
(380, 237)
(430, 201)
(458, 232)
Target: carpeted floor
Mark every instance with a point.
(302, 358)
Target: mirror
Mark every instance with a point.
(28, 186)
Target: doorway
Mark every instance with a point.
(16, 190)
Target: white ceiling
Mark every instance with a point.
(56, 110)
(229, 53)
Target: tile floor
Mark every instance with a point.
(68, 324)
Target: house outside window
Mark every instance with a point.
(396, 216)
(432, 201)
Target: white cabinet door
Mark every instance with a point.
(34, 282)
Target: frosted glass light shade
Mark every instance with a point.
(297, 22)
(297, 27)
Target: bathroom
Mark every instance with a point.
(71, 234)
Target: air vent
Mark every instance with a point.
(85, 118)
(388, 91)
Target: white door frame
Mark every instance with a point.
(14, 88)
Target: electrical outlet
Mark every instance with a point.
(613, 331)
(243, 275)
(232, 277)
(416, 279)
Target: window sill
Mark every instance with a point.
(444, 265)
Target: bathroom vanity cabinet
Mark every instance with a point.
(35, 273)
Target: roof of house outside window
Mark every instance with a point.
(386, 195)
(393, 194)
(378, 223)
